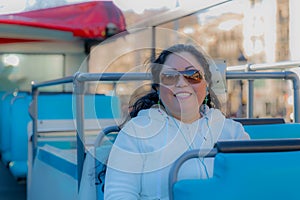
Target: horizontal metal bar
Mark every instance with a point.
(265, 66)
(67, 79)
(257, 75)
(83, 77)
(237, 68)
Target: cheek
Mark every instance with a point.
(165, 92)
(166, 96)
(200, 91)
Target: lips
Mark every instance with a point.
(182, 94)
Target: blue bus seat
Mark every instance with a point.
(18, 169)
(269, 175)
(273, 131)
(16, 154)
(16, 148)
(2, 96)
(51, 106)
(96, 106)
(10, 123)
(4, 120)
(99, 111)
(102, 107)
(55, 106)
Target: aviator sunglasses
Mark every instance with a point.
(171, 77)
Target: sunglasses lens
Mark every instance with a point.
(170, 77)
(192, 76)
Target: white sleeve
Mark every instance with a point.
(121, 181)
(234, 130)
(121, 185)
(240, 133)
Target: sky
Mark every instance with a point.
(139, 5)
(11, 6)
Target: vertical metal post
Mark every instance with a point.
(153, 43)
(296, 88)
(250, 104)
(241, 99)
(297, 104)
(34, 116)
(79, 92)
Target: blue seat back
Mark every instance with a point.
(18, 128)
(2, 93)
(102, 107)
(273, 131)
(247, 176)
(55, 106)
(62, 106)
(4, 119)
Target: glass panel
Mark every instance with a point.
(17, 71)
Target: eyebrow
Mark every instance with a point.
(188, 67)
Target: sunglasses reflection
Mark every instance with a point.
(171, 77)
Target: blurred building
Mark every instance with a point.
(240, 32)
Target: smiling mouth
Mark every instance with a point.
(183, 94)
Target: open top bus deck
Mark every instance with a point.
(47, 136)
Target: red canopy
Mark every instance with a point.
(85, 20)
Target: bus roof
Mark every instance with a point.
(87, 20)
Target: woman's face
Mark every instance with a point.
(182, 98)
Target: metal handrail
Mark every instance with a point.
(33, 110)
(196, 153)
(67, 79)
(265, 66)
(82, 77)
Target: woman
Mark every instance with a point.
(182, 114)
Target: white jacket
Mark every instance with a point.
(145, 149)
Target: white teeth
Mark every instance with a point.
(182, 94)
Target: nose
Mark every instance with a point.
(182, 82)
